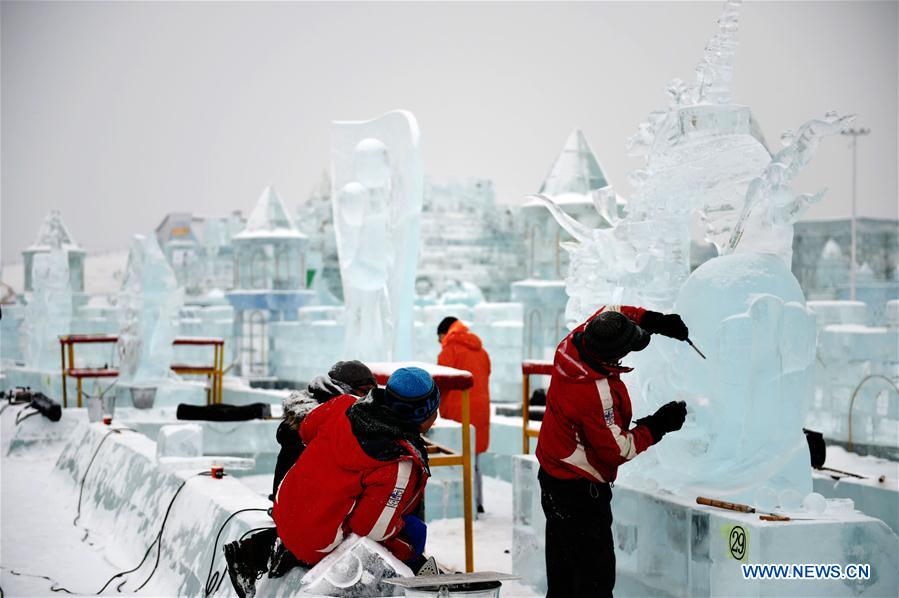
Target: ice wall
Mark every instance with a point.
(149, 305)
(49, 311)
(856, 369)
(377, 199)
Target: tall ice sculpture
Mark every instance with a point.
(746, 403)
(149, 304)
(378, 182)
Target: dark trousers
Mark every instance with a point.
(580, 553)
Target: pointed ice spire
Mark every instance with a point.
(576, 170)
(716, 69)
(53, 234)
(269, 218)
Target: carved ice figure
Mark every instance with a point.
(377, 199)
(771, 207)
(746, 403)
(703, 154)
(49, 311)
(149, 304)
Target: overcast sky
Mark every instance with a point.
(117, 113)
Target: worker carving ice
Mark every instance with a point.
(586, 434)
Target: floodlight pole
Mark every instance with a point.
(855, 134)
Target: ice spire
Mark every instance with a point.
(716, 69)
(53, 233)
(268, 217)
(576, 169)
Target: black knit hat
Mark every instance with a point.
(612, 335)
(445, 324)
(353, 373)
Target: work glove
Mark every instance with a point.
(670, 325)
(668, 418)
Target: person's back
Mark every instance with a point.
(463, 350)
(344, 377)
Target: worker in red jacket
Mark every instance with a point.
(586, 435)
(363, 471)
(463, 350)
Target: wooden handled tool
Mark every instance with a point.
(774, 518)
(735, 506)
(723, 504)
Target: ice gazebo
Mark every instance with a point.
(269, 280)
(52, 234)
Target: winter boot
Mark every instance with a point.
(282, 560)
(248, 560)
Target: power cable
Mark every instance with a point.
(214, 579)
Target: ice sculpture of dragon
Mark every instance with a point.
(703, 154)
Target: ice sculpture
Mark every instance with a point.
(377, 200)
(746, 402)
(149, 304)
(771, 207)
(703, 154)
(49, 311)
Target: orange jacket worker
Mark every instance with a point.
(463, 350)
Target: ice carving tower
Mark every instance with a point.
(53, 234)
(269, 281)
(149, 305)
(378, 183)
(49, 311)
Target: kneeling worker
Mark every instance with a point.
(586, 435)
(364, 471)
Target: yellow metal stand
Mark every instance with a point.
(528, 368)
(466, 482)
(445, 457)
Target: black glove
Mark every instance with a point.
(665, 324)
(668, 418)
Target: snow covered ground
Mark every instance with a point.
(39, 541)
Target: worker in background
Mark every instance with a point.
(585, 435)
(463, 350)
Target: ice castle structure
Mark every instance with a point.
(579, 188)
(270, 281)
(54, 234)
(201, 253)
(377, 199)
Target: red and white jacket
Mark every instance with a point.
(336, 488)
(585, 431)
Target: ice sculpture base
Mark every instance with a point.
(669, 546)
